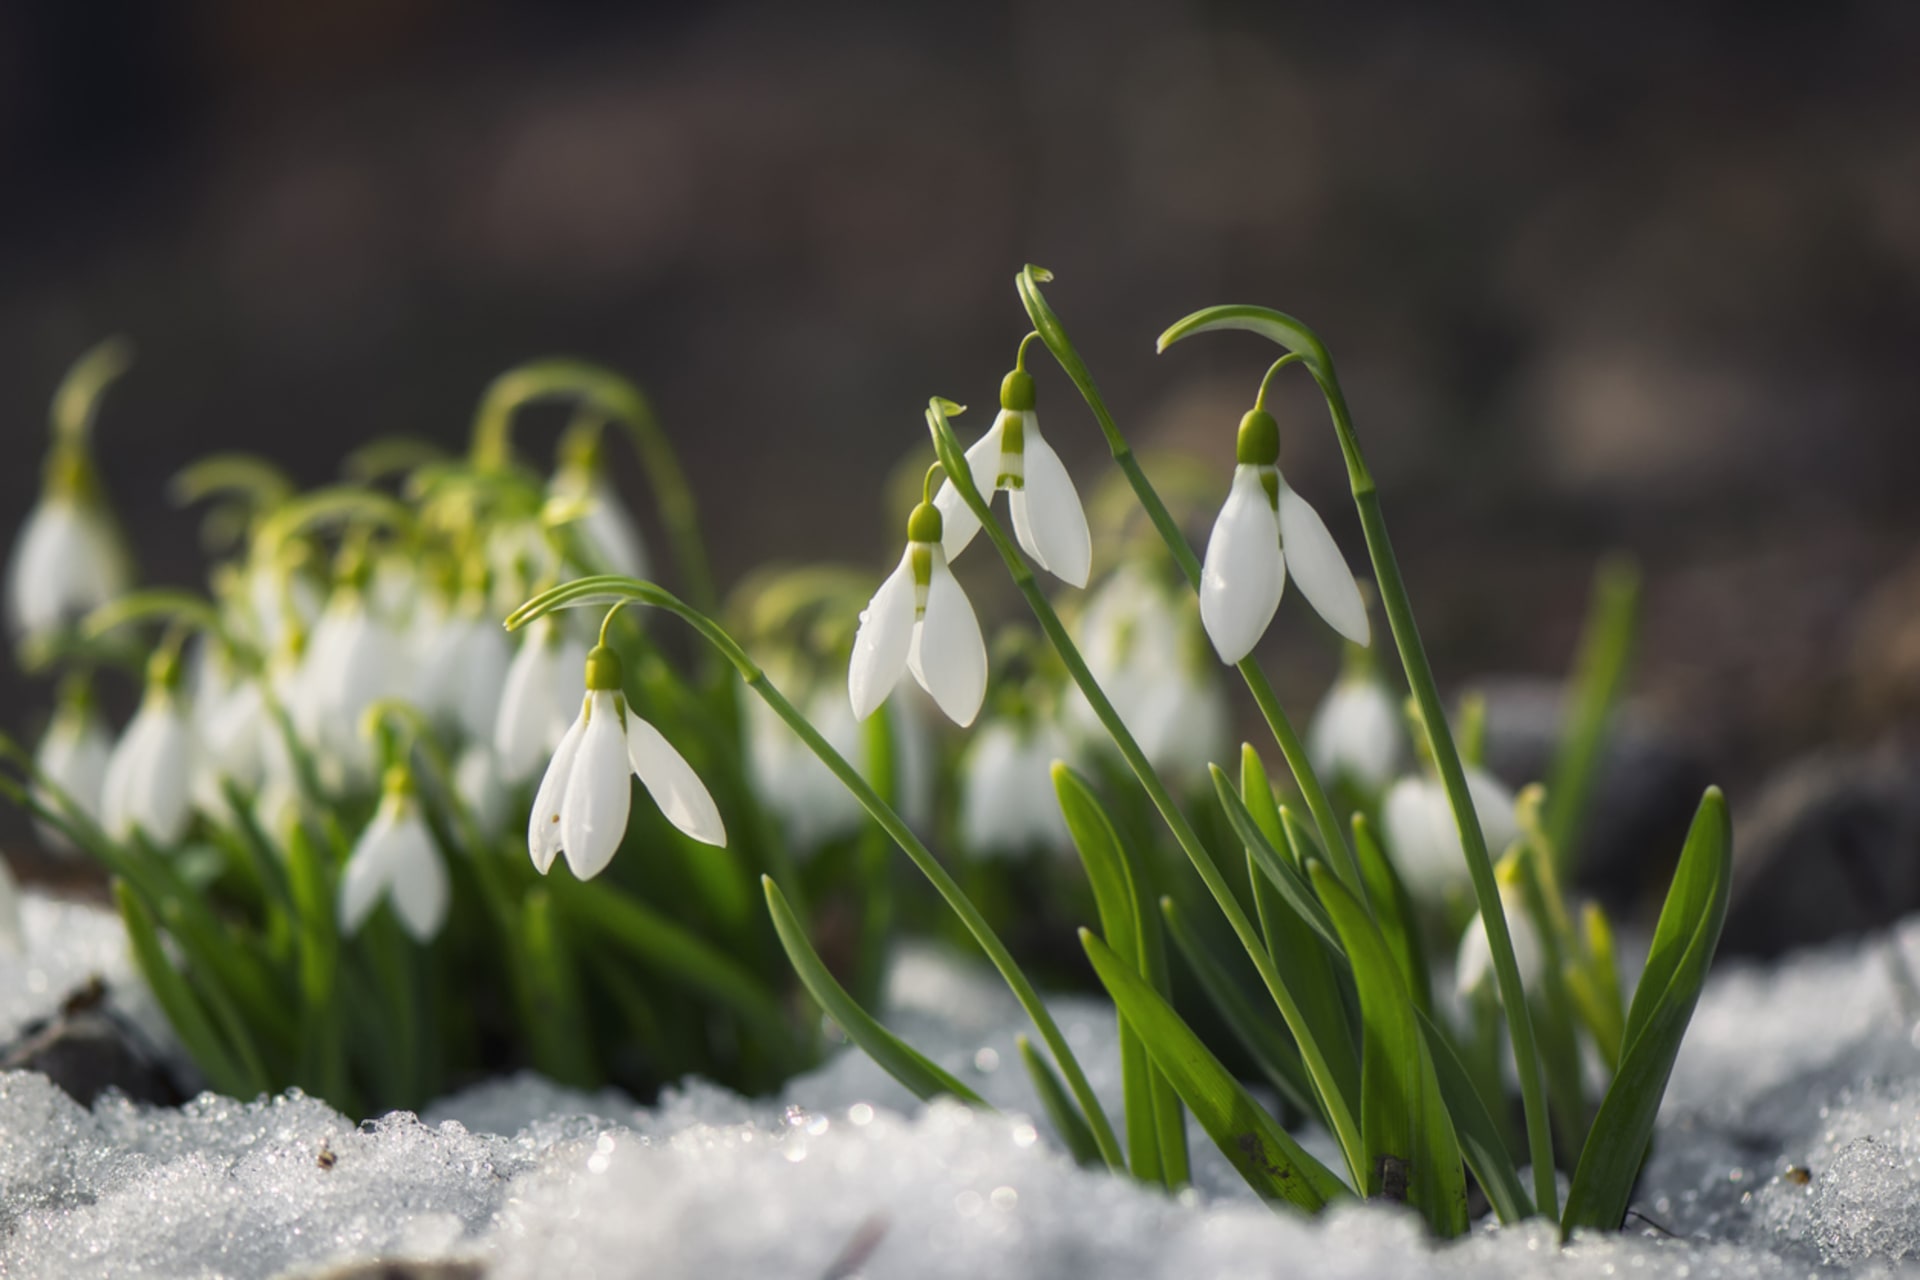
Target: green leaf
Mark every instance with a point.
(1060, 1108)
(1279, 869)
(1683, 947)
(1273, 1164)
(1273, 1051)
(677, 953)
(1411, 1147)
(1600, 672)
(563, 1044)
(918, 1073)
(1116, 899)
(183, 1009)
(323, 1061)
(1394, 911)
(1481, 1140)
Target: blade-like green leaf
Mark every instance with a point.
(183, 1009)
(1266, 1155)
(1683, 947)
(1480, 1137)
(1394, 910)
(1060, 1109)
(1600, 672)
(1116, 899)
(1410, 1143)
(1272, 1049)
(918, 1073)
(1279, 870)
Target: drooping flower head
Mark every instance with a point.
(537, 699)
(1264, 529)
(395, 858)
(72, 759)
(1358, 733)
(149, 776)
(1473, 968)
(1007, 803)
(1425, 840)
(609, 533)
(921, 621)
(582, 805)
(1048, 519)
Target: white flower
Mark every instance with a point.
(151, 770)
(13, 936)
(67, 561)
(1475, 964)
(476, 780)
(1356, 733)
(1424, 840)
(1140, 641)
(395, 857)
(464, 664)
(1264, 529)
(353, 660)
(611, 536)
(920, 621)
(581, 807)
(538, 699)
(792, 784)
(72, 759)
(1007, 800)
(1048, 519)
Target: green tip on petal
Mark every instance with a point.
(1016, 391)
(604, 672)
(924, 525)
(1259, 443)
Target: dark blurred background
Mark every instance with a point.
(1635, 276)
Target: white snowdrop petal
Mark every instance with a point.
(1047, 515)
(1493, 805)
(417, 881)
(1319, 568)
(65, 562)
(1356, 733)
(610, 531)
(477, 782)
(543, 824)
(593, 813)
(367, 871)
(958, 524)
(880, 646)
(1424, 844)
(521, 721)
(481, 672)
(73, 758)
(673, 784)
(1244, 574)
(948, 655)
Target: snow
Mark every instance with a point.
(1790, 1146)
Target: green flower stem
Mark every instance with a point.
(1294, 336)
(1339, 1115)
(613, 589)
(624, 402)
(1333, 834)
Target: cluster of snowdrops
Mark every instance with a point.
(314, 817)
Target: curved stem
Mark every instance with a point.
(1296, 337)
(623, 401)
(1333, 833)
(607, 589)
(1339, 1114)
(1266, 383)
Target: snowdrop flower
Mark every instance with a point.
(1356, 733)
(72, 759)
(354, 659)
(68, 559)
(581, 807)
(149, 775)
(812, 807)
(1474, 967)
(608, 530)
(920, 621)
(395, 859)
(463, 668)
(477, 781)
(1007, 802)
(1263, 528)
(1426, 843)
(536, 699)
(1048, 519)
(1140, 642)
